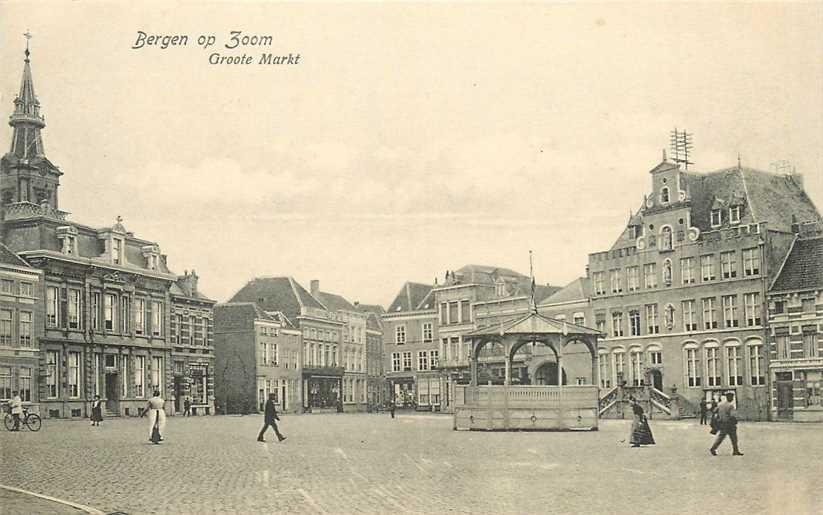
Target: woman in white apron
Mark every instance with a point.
(154, 407)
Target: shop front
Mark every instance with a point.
(322, 389)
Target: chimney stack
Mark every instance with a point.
(314, 286)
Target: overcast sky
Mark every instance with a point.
(410, 139)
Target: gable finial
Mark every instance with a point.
(532, 301)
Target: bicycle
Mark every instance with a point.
(30, 420)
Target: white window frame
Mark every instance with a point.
(709, 305)
(650, 275)
(707, 271)
(422, 360)
(693, 359)
(757, 369)
(52, 374)
(716, 217)
(751, 306)
(728, 264)
(73, 363)
(52, 306)
(730, 311)
(752, 262)
(400, 334)
(734, 364)
(157, 318)
(734, 215)
(139, 376)
(712, 366)
(428, 332)
(687, 270)
(689, 318)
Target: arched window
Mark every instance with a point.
(637, 369)
(664, 195)
(691, 356)
(605, 368)
(666, 241)
(618, 366)
(734, 363)
(757, 368)
(714, 376)
(655, 354)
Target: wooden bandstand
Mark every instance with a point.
(529, 407)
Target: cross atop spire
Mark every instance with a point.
(28, 36)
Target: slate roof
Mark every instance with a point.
(176, 289)
(7, 257)
(334, 302)
(410, 297)
(803, 268)
(370, 308)
(765, 197)
(282, 294)
(575, 290)
(768, 197)
(483, 274)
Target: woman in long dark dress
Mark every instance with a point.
(96, 411)
(641, 432)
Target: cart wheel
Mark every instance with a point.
(8, 421)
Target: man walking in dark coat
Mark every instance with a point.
(704, 408)
(270, 418)
(727, 425)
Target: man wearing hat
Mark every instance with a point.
(727, 421)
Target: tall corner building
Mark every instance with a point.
(682, 293)
(113, 319)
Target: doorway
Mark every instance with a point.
(179, 394)
(785, 399)
(656, 377)
(112, 393)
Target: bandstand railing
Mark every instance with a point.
(523, 407)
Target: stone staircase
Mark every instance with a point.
(616, 403)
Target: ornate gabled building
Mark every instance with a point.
(107, 295)
(681, 294)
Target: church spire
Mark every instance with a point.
(26, 119)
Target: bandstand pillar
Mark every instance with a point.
(508, 380)
(473, 368)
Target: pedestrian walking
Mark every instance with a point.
(391, 408)
(704, 408)
(16, 405)
(96, 411)
(157, 417)
(187, 406)
(270, 420)
(641, 433)
(726, 426)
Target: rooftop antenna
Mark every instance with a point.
(532, 302)
(680, 143)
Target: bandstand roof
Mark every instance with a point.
(534, 324)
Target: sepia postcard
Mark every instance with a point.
(411, 257)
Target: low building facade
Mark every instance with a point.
(256, 354)
(796, 333)
(21, 327)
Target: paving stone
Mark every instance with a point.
(371, 464)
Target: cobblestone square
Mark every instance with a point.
(412, 464)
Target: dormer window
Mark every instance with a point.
(716, 217)
(664, 195)
(500, 289)
(152, 255)
(68, 239)
(734, 214)
(633, 232)
(117, 251)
